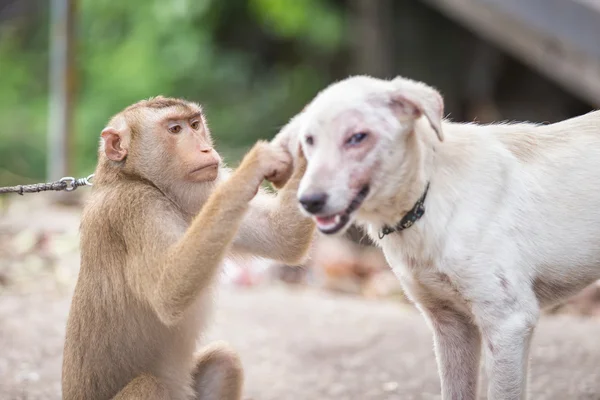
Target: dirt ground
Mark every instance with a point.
(295, 343)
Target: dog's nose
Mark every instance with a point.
(313, 203)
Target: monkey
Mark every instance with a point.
(163, 213)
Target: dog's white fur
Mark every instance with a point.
(512, 220)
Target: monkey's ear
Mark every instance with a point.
(113, 144)
(412, 98)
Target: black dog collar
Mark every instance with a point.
(409, 219)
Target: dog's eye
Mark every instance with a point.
(310, 140)
(356, 138)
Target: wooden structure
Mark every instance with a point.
(558, 38)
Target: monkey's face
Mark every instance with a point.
(163, 140)
(180, 144)
(189, 140)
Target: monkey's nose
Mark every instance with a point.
(313, 203)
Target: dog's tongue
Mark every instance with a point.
(326, 222)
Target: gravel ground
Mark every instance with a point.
(295, 343)
(305, 344)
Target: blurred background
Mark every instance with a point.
(66, 66)
(255, 63)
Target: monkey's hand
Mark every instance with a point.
(267, 162)
(291, 178)
(274, 226)
(281, 176)
(288, 140)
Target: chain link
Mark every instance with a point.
(66, 183)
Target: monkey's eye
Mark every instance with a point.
(175, 128)
(195, 125)
(310, 140)
(356, 138)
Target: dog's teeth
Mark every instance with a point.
(337, 219)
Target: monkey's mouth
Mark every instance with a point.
(334, 223)
(206, 167)
(207, 172)
(204, 173)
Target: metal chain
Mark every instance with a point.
(67, 184)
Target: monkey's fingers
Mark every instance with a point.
(280, 177)
(295, 171)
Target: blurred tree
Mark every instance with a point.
(251, 63)
(23, 51)
(372, 45)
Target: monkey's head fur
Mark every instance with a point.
(164, 141)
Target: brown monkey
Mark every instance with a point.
(162, 215)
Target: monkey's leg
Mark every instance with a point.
(218, 374)
(144, 387)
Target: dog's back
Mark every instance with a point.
(530, 141)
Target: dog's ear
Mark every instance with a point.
(288, 137)
(414, 99)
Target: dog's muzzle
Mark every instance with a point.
(331, 224)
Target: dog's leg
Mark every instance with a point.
(457, 348)
(507, 356)
(507, 327)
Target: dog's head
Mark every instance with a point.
(362, 138)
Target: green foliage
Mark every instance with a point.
(23, 112)
(314, 20)
(210, 51)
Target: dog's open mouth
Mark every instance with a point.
(330, 224)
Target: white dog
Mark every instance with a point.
(483, 224)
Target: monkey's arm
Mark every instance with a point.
(185, 268)
(274, 227)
